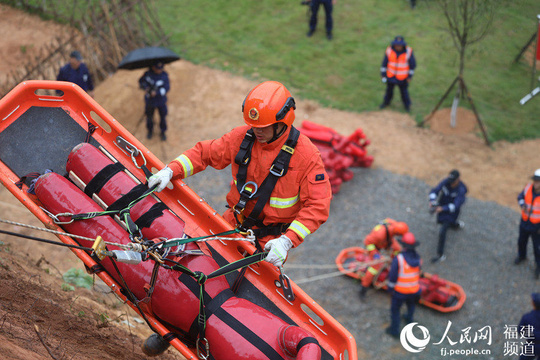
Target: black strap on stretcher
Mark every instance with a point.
(213, 306)
(95, 185)
(129, 197)
(305, 341)
(201, 278)
(90, 131)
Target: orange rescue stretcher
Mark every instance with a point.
(439, 294)
(40, 130)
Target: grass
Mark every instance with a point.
(264, 40)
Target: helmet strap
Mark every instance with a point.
(276, 133)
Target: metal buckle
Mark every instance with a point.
(285, 285)
(274, 172)
(251, 194)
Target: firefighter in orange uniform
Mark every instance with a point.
(280, 189)
(383, 236)
(404, 283)
(529, 201)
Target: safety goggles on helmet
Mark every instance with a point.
(286, 108)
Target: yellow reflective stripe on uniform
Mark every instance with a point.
(186, 165)
(300, 229)
(372, 270)
(371, 247)
(282, 203)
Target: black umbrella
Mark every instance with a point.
(146, 57)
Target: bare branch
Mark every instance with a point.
(43, 342)
(469, 21)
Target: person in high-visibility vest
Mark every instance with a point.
(397, 68)
(404, 282)
(383, 236)
(529, 201)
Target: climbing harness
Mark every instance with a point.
(249, 190)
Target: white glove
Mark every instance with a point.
(383, 80)
(161, 179)
(278, 249)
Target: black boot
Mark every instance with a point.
(362, 293)
(154, 345)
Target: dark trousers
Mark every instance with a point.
(403, 88)
(149, 111)
(523, 239)
(442, 235)
(327, 10)
(397, 300)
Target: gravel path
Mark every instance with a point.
(479, 258)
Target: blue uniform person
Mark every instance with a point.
(77, 72)
(155, 83)
(529, 201)
(446, 200)
(328, 8)
(397, 68)
(529, 326)
(404, 283)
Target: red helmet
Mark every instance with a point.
(408, 240)
(400, 228)
(268, 103)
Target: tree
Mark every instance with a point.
(468, 22)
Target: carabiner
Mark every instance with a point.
(207, 349)
(250, 236)
(286, 285)
(56, 219)
(127, 146)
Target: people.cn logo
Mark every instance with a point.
(410, 342)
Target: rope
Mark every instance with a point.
(45, 240)
(122, 246)
(321, 277)
(333, 266)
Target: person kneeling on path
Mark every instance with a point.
(446, 200)
(382, 237)
(529, 226)
(404, 283)
(280, 189)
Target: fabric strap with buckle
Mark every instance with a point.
(277, 170)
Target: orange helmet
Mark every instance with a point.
(268, 103)
(400, 228)
(408, 240)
